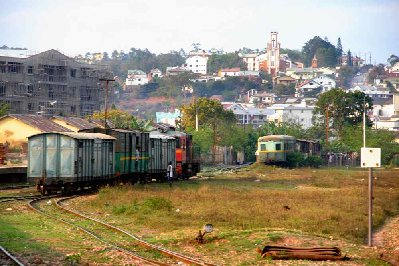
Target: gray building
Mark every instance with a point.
(51, 83)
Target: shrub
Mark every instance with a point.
(294, 159)
(313, 161)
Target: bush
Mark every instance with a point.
(313, 161)
(294, 159)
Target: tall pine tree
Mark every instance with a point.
(339, 51)
(350, 60)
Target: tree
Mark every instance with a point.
(228, 60)
(345, 76)
(339, 50)
(350, 59)
(294, 55)
(105, 56)
(375, 72)
(120, 119)
(211, 115)
(393, 59)
(281, 89)
(115, 54)
(326, 52)
(340, 108)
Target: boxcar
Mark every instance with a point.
(162, 151)
(274, 148)
(66, 161)
(131, 152)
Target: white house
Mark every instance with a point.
(286, 113)
(247, 115)
(266, 98)
(136, 77)
(197, 64)
(372, 91)
(250, 60)
(315, 86)
(156, 73)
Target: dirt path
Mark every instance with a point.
(387, 241)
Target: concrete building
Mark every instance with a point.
(286, 113)
(51, 83)
(197, 64)
(248, 115)
(136, 77)
(168, 117)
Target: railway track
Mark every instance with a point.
(15, 198)
(9, 258)
(119, 239)
(16, 187)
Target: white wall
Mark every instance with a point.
(197, 64)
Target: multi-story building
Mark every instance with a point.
(197, 64)
(51, 83)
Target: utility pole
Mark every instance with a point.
(327, 124)
(106, 100)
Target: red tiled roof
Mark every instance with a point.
(236, 69)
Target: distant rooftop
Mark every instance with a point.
(17, 53)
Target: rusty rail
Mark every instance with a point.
(11, 257)
(313, 253)
(170, 253)
(128, 252)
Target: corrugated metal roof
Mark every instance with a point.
(77, 122)
(159, 135)
(38, 122)
(80, 135)
(276, 138)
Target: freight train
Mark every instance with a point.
(273, 149)
(68, 161)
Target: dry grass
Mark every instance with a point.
(249, 206)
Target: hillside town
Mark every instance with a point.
(51, 84)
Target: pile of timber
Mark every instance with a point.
(315, 253)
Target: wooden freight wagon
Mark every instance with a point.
(162, 151)
(131, 152)
(67, 160)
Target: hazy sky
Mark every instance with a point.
(74, 27)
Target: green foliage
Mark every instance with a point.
(121, 62)
(294, 159)
(122, 119)
(157, 204)
(281, 89)
(326, 52)
(291, 129)
(201, 138)
(3, 109)
(345, 76)
(228, 60)
(73, 259)
(377, 138)
(294, 55)
(375, 72)
(393, 59)
(342, 108)
(313, 161)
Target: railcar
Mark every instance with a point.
(162, 151)
(131, 153)
(67, 160)
(273, 149)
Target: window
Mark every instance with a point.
(30, 69)
(272, 63)
(262, 147)
(278, 146)
(73, 73)
(29, 89)
(2, 89)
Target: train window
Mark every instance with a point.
(137, 141)
(278, 146)
(152, 144)
(262, 147)
(80, 144)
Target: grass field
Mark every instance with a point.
(248, 208)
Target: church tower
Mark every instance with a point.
(273, 54)
(314, 62)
